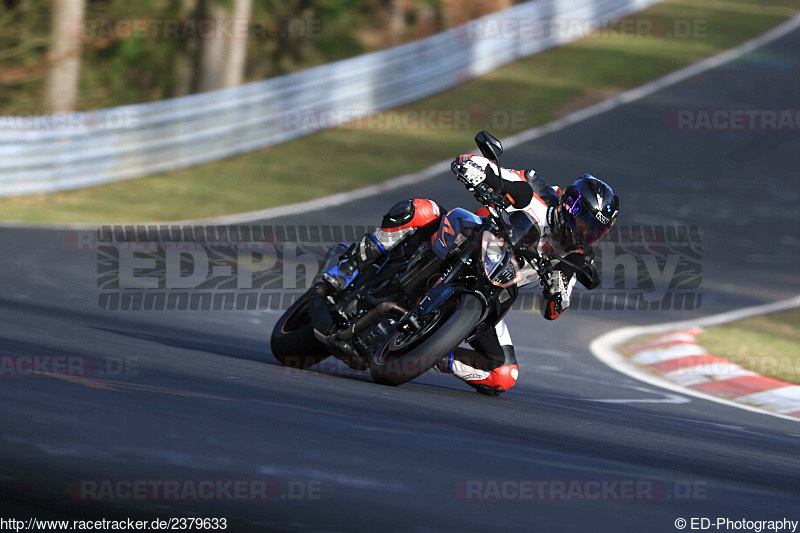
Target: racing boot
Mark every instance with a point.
(338, 278)
(490, 368)
(356, 257)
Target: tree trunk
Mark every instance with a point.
(497, 5)
(185, 59)
(212, 49)
(64, 55)
(426, 20)
(236, 62)
(396, 22)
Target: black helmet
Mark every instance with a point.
(586, 211)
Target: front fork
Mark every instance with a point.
(442, 290)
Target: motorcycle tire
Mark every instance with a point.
(404, 363)
(293, 343)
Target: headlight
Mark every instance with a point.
(493, 252)
(501, 269)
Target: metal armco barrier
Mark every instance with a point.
(73, 150)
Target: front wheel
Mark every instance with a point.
(293, 343)
(405, 357)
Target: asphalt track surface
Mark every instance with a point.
(209, 403)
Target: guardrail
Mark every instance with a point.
(68, 151)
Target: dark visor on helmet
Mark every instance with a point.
(586, 229)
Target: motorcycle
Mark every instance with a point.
(437, 288)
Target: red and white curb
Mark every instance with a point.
(678, 358)
(670, 357)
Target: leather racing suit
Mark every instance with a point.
(490, 366)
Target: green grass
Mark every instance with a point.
(536, 90)
(768, 345)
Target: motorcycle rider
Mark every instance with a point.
(569, 222)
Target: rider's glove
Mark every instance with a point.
(554, 287)
(555, 295)
(471, 174)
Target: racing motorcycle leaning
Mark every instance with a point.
(436, 288)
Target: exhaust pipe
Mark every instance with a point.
(344, 340)
(373, 315)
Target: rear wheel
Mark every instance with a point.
(293, 343)
(405, 357)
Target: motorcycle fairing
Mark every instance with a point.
(453, 224)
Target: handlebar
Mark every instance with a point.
(497, 203)
(489, 198)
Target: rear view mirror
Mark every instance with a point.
(489, 146)
(588, 277)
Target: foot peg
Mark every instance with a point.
(337, 278)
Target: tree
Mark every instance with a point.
(64, 55)
(396, 22)
(186, 55)
(223, 59)
(236, 61)
(212, 48)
